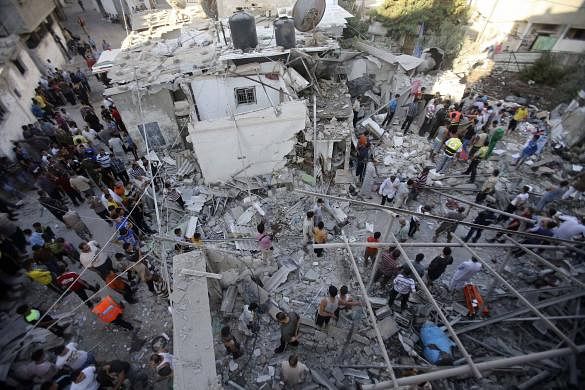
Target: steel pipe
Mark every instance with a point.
(442, 315)
(436, 217)
(483, 207)
(545, 262)
(484, 366)
(502, 280)
(372, 315)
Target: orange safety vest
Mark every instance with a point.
(107, 310)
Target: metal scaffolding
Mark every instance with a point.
(502, 280)
(442, 315)
(442, 219)
(372, 314)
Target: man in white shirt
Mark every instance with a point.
(402, 285)
(90, 256)
(68, 355)
(85, 379)
(388, 189)
(516, 203)
(464, 273)
(293, 372)
(246, 320)
(569, 228)
(308, 225)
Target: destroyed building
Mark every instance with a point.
(252, 135)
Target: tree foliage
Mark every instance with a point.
(404, 16)
(444, 21)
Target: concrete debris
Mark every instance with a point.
(278, 278)
(320, 378)
(388, 328)
(356, 373)
(229, 300)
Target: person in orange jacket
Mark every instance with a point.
(109, 311)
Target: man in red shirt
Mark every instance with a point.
(78, 286)
(371, 252)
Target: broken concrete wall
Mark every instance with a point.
(255, 144)
(157, 106)
(216, 96)
(193, 338)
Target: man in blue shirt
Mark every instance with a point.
(392, 104)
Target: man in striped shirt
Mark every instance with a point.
(403, 284)
(105, 162)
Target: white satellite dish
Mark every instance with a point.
(307, 14)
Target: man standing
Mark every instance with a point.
(389, 266)
(449, 227)
(72, 220)
(363, 155)
(411, 112)
(293, 372)
(496, 134)
(356, 107)
(53, 206)
(552, 194)
(289, 330)
(246, 320)
(110, 312)
(318, 211)
(388, 189)
(320, 237)
(518, 201)
(488, 187)
(452, 147)
(92, 257)
(392, 105)
(78, 286)
(475, 159)
(484, 218)
(82, 184)
(403, 284)
(464, 273)
(308, 225)
(438, 265)
(264, 243)
(372, 251)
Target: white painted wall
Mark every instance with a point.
(157, 107)
(109, 7)
(570, 45)
(18, 108)
(262, 140)
(213, 95)
(48, 49)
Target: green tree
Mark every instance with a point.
(444, 20)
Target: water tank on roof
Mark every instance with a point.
(243, 30)
(284, 32)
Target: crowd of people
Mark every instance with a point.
(68, 164)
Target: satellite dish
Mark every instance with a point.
(307, 14)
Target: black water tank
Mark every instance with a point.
(243, 30)
(284, 31)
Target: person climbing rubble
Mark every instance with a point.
(464, 272)
(327, 308)
(264, 243)
(449, 227)
(402, 285)
(438, 265)
(293, 372)
(289, 330)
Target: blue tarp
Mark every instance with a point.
(436, 344)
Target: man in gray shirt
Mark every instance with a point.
(289, 330)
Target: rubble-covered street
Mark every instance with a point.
(289, 198)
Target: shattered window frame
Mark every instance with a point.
(245, 95)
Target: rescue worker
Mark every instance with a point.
(110, 312)
(452, 146)
(454, 119)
